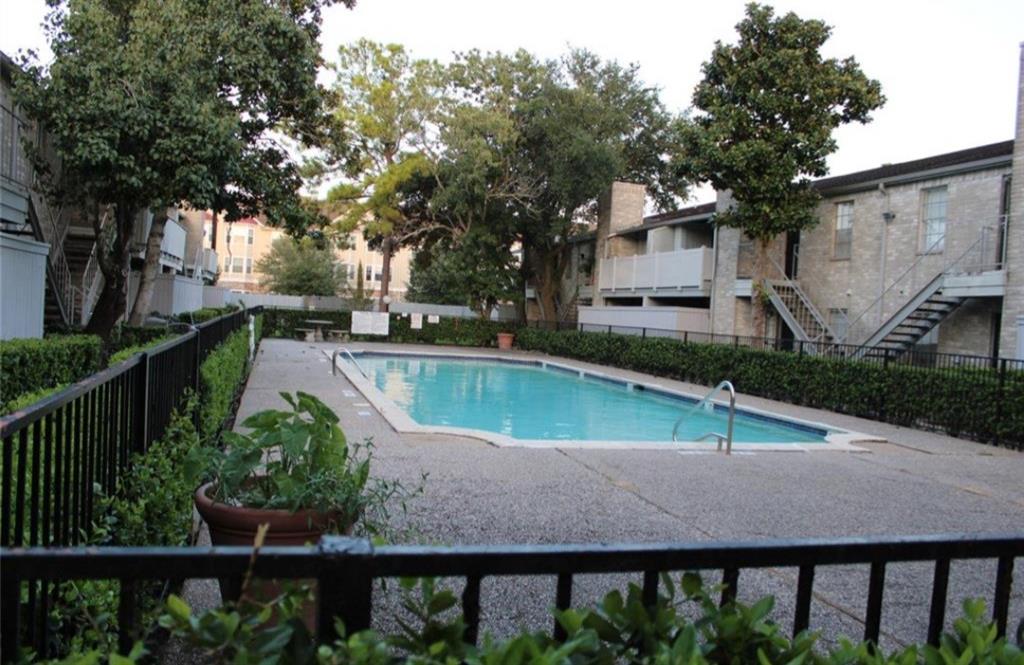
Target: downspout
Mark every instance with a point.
(714, 278)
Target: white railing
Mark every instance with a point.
(682, 269)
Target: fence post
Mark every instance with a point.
(344, 585)
(686, 336)
(140, 408)
(1000, 399)
(609, 329)
(643, 333)
(800, 342)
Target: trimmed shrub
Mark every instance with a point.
(31, 365)
(449, 330)
(973, 403)
(222, 376)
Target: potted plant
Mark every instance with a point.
(295, 471)
(505, 340)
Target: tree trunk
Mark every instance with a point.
(112, 301)
(385, 273)
(213, 232)
(758, 318)
(524, 279)
(150, 269)
(548, 282)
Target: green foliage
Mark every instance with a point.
(976, 404)
(300, 460)
(129, 351)
(474, 273)
(222, 377)
(32, 365)
(769, 105)
(621, 629)
(205, 314)
(448, 330)
(299, 267)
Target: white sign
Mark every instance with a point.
(416, 321)
(370, 323)
(433, 318)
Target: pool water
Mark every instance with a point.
(528, 401)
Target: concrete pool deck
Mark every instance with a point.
(914, 483)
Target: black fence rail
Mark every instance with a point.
(345, 570)
(58, 452)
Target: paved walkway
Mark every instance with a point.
(917, 483)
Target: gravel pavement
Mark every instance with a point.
(916, 483)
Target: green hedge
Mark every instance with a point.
(32, 365)
(969, 403)
(449, 330)
(222, 375)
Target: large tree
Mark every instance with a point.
(385, 106)
(476, 272)
(768, 107)
(158, 103)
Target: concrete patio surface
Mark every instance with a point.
(916, 483)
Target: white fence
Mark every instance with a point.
(499, 313)
(172, 294)
(682, 269)
(23, 285)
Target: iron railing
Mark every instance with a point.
(345, 569)
(61, 452)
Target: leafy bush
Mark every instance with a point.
(30, 365)
(449, 330)
(222, 376)
(621, 629)
(204, 314)
(300, 460)
(973, 404)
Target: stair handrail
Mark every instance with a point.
(819, 319)
(929, 251)
(58, 272)
(724, 385)
(89, 286)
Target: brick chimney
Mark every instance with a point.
(1011, 343)
(621, 207)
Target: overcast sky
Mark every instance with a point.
(949, 69)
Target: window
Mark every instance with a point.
(843, 242)
(933, 219)
(227, 263)
(351, 271)
(250, 236)
(839, 321)
(207, 230)
(237, 264)
(377, 274)
(248, 266)
(369, 273)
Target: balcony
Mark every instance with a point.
(682, 272)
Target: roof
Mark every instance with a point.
(981, 156)
(690, 211)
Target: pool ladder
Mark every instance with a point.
(726, 438)
(334, 362)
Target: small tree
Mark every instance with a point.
(477, 273)
(769, 105)
(300, 267)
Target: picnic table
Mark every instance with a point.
(318, 328)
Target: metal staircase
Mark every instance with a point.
(911, 322)
(929, 305)
(796, 309)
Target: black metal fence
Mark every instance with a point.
(59, 452)
(345, 570)
(913, 357)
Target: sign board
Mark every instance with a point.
(416, 321)
(433, 318)
(370, 323)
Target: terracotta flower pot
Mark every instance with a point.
(237, 525)
(505, 340)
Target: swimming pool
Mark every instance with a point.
(531, 402)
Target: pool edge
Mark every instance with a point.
(836, 439)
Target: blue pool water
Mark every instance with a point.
(527, 401)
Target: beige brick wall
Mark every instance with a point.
(887, 265)
(1013, 301)
(621, 207)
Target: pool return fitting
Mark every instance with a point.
(706, 403)
(352, 358)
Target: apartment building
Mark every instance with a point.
(922, 254)
(241, 245)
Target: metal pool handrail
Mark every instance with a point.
(727, 385)
(334, 364)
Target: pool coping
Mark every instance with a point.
(837, 439)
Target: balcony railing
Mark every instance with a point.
(684, 269)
